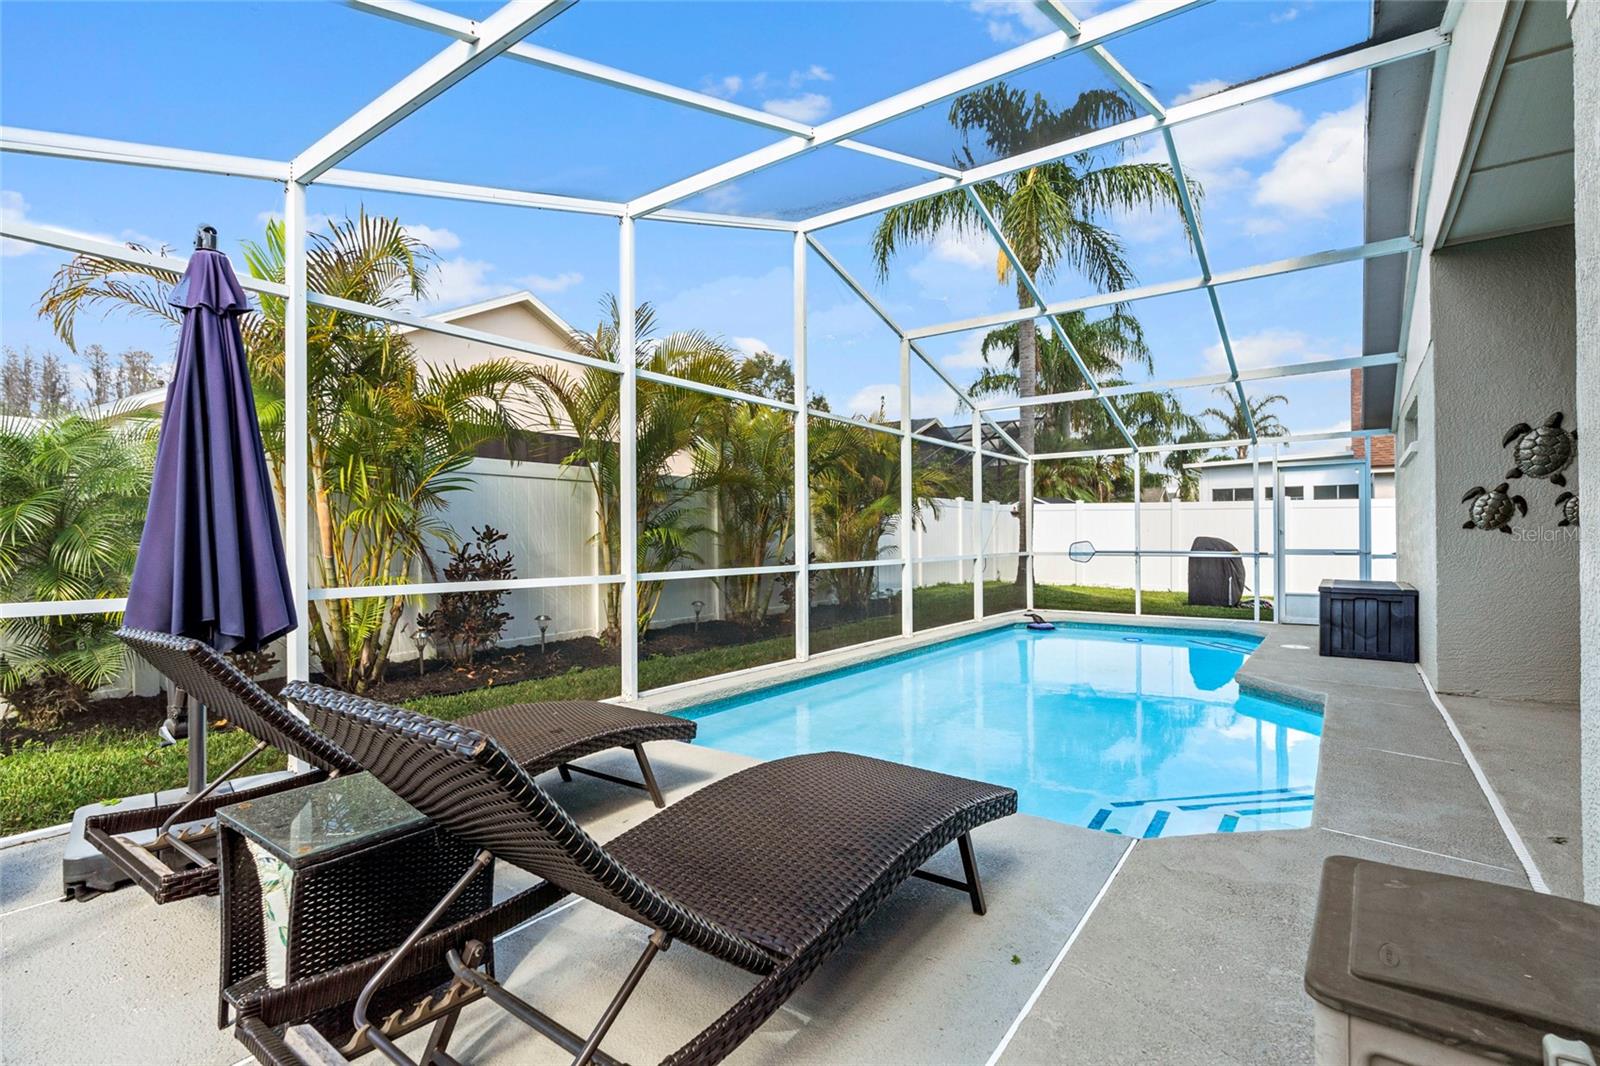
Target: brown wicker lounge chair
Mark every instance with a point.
(771, 869)
(171, 865)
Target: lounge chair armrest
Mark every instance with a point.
(137, 818)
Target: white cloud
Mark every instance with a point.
(869, 399)
(969, 356)
(440, 240)
(806, 107)
(1214, 148)
(13, 208)
(751, 345)
(1270, 347)
(965, 249)
(457, 281)
(777, 94)
(957, 270)
(1011, 21)
(313, 222)
(1324, 167)
(1199, 89)
(559, 283)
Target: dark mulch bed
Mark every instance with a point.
(501, 666)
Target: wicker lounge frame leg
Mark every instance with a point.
(717, 1040)
(587, 1050)
(649, 785)
(464, 964)
(443, 1027)
(972, 886)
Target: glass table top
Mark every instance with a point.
(320, 821)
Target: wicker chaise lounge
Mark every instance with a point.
(771, 869)
(538, 736)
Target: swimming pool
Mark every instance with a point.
(1134, 730)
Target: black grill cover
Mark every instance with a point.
(1215, 582)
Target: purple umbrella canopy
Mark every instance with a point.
(211, 563)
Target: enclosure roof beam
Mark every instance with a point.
(1100, 28)
(79, 244)
(1423, 187)
(1191, 221)
(1265, 373)
(1371, 250)
(877, 309)
(101, 150)
(1072, 26)
(1055, 324)
(1206, 445)
(462, 29)
(131, 153)
(494, 35)
(1320, 70)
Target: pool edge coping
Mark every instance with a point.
(773, 675)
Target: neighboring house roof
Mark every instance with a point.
(537, 306)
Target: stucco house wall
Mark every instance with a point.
(1504, 318)
(1417, 507)
(1586, 74)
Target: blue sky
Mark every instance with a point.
(1281, 177)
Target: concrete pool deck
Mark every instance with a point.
(1184, 949)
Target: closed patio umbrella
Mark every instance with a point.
(211, 563)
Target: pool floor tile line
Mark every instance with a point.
(1271, 795)
(1157, 824)
(1207, 796)
(1055, 964)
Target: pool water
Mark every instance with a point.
(1130, 730)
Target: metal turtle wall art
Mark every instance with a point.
(1493, 508)
(1567, 504)
(1543, 452)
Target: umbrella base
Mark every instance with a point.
(87, 872)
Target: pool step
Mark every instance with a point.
(1219, 812)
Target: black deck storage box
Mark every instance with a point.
(1369, 620)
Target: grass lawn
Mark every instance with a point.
(1094, 598)
(42, 784)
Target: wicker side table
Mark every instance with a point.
(364, 868)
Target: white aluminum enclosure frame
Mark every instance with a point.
(473, 45)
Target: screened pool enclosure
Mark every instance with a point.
(959, 498)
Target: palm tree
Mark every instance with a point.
(855, 501)
(671, 422)
(75, 492)
(389, 437)
(747, 465)
(1236, 427)
(1048, 213)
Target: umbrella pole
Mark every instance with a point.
(179, 700)
(197, 745)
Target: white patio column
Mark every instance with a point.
(1138, 535)
(977, 513)
(905, 488)
(1255, 524)
(296, 524)
(628, 463)
(1033, 531)
(802, 462)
